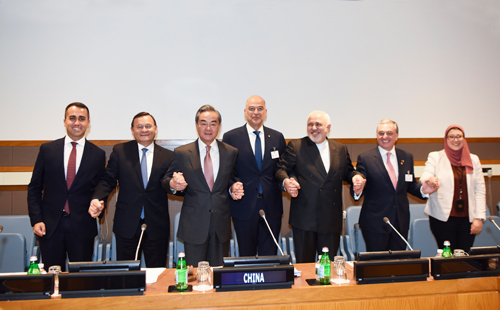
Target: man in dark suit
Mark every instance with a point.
(64, 177)
(204, 172)
(312, 170)
(138, 167)
(385, 191)
(257, 174)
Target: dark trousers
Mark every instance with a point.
(63, 241)
(456, 230)
(212, 250)
(309, 244)
(254, 236)
(155, 251)
(383, 241)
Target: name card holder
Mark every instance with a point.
(253, 278)
(388, 271)
(466, 267)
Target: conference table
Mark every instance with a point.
(458, 294)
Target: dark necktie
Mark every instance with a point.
(392, 172)
(144, 172)
(71, 172)
(258, 153)
(209, 170)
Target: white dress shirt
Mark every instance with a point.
(253, 137)
(324, 152)
(68, 147)
(149, 155)
(214, 155)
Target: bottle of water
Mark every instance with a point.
(439, 253)
(181, 277)
(325, 268)
(318, 263)
(33, 268)
(447, 250)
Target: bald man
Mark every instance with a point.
(259, 149)
(319, 167)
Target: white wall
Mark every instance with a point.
(424, 63)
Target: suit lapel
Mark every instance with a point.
(194, 159)
(156, 162)
(222, 163)
(401, 167)
(134, 151)
(247, 147)
(84, 162)
(268, 148)
(313, 153)
(59, 157)
(379, 163)
(333, 154)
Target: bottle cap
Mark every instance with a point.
(446, 243)
(33, 258)
(181, 254)
(325, 249)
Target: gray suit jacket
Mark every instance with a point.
(199, 203)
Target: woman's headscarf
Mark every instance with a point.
(460, 157)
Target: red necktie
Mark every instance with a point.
(209, 170)
(390, 169)
(70, 175)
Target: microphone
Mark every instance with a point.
(143, 228)
(386, 220)
(263, 215)
(491, 220)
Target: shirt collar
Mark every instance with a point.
(202, 146)
(150, 147)
(383, 152)
(251, 130)
(68, 140)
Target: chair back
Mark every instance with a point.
(423, 239)
(12, 252)
(489, 235)
(21, 224)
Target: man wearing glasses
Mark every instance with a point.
(259, 149)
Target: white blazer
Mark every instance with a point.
(440, 202)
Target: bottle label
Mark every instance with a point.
(180, 276)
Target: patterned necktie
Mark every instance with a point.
(144, 172)
(258, 153)
(209, 170)
(71, 172)
(392, 172)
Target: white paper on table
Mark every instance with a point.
(152, 274)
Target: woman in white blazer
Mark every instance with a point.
(458, 208)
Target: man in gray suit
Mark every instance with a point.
(204, 172)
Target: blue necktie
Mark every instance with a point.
(258, 153)
(144, 172)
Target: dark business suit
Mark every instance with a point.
(318, 206)
(203, 210)
(124, 167)
(250, 228)
(382, 200)
(48, 193)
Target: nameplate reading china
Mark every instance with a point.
(253, 278)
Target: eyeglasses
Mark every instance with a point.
(388, 133)
(458, 137)
(259, 108)
(140, 127)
